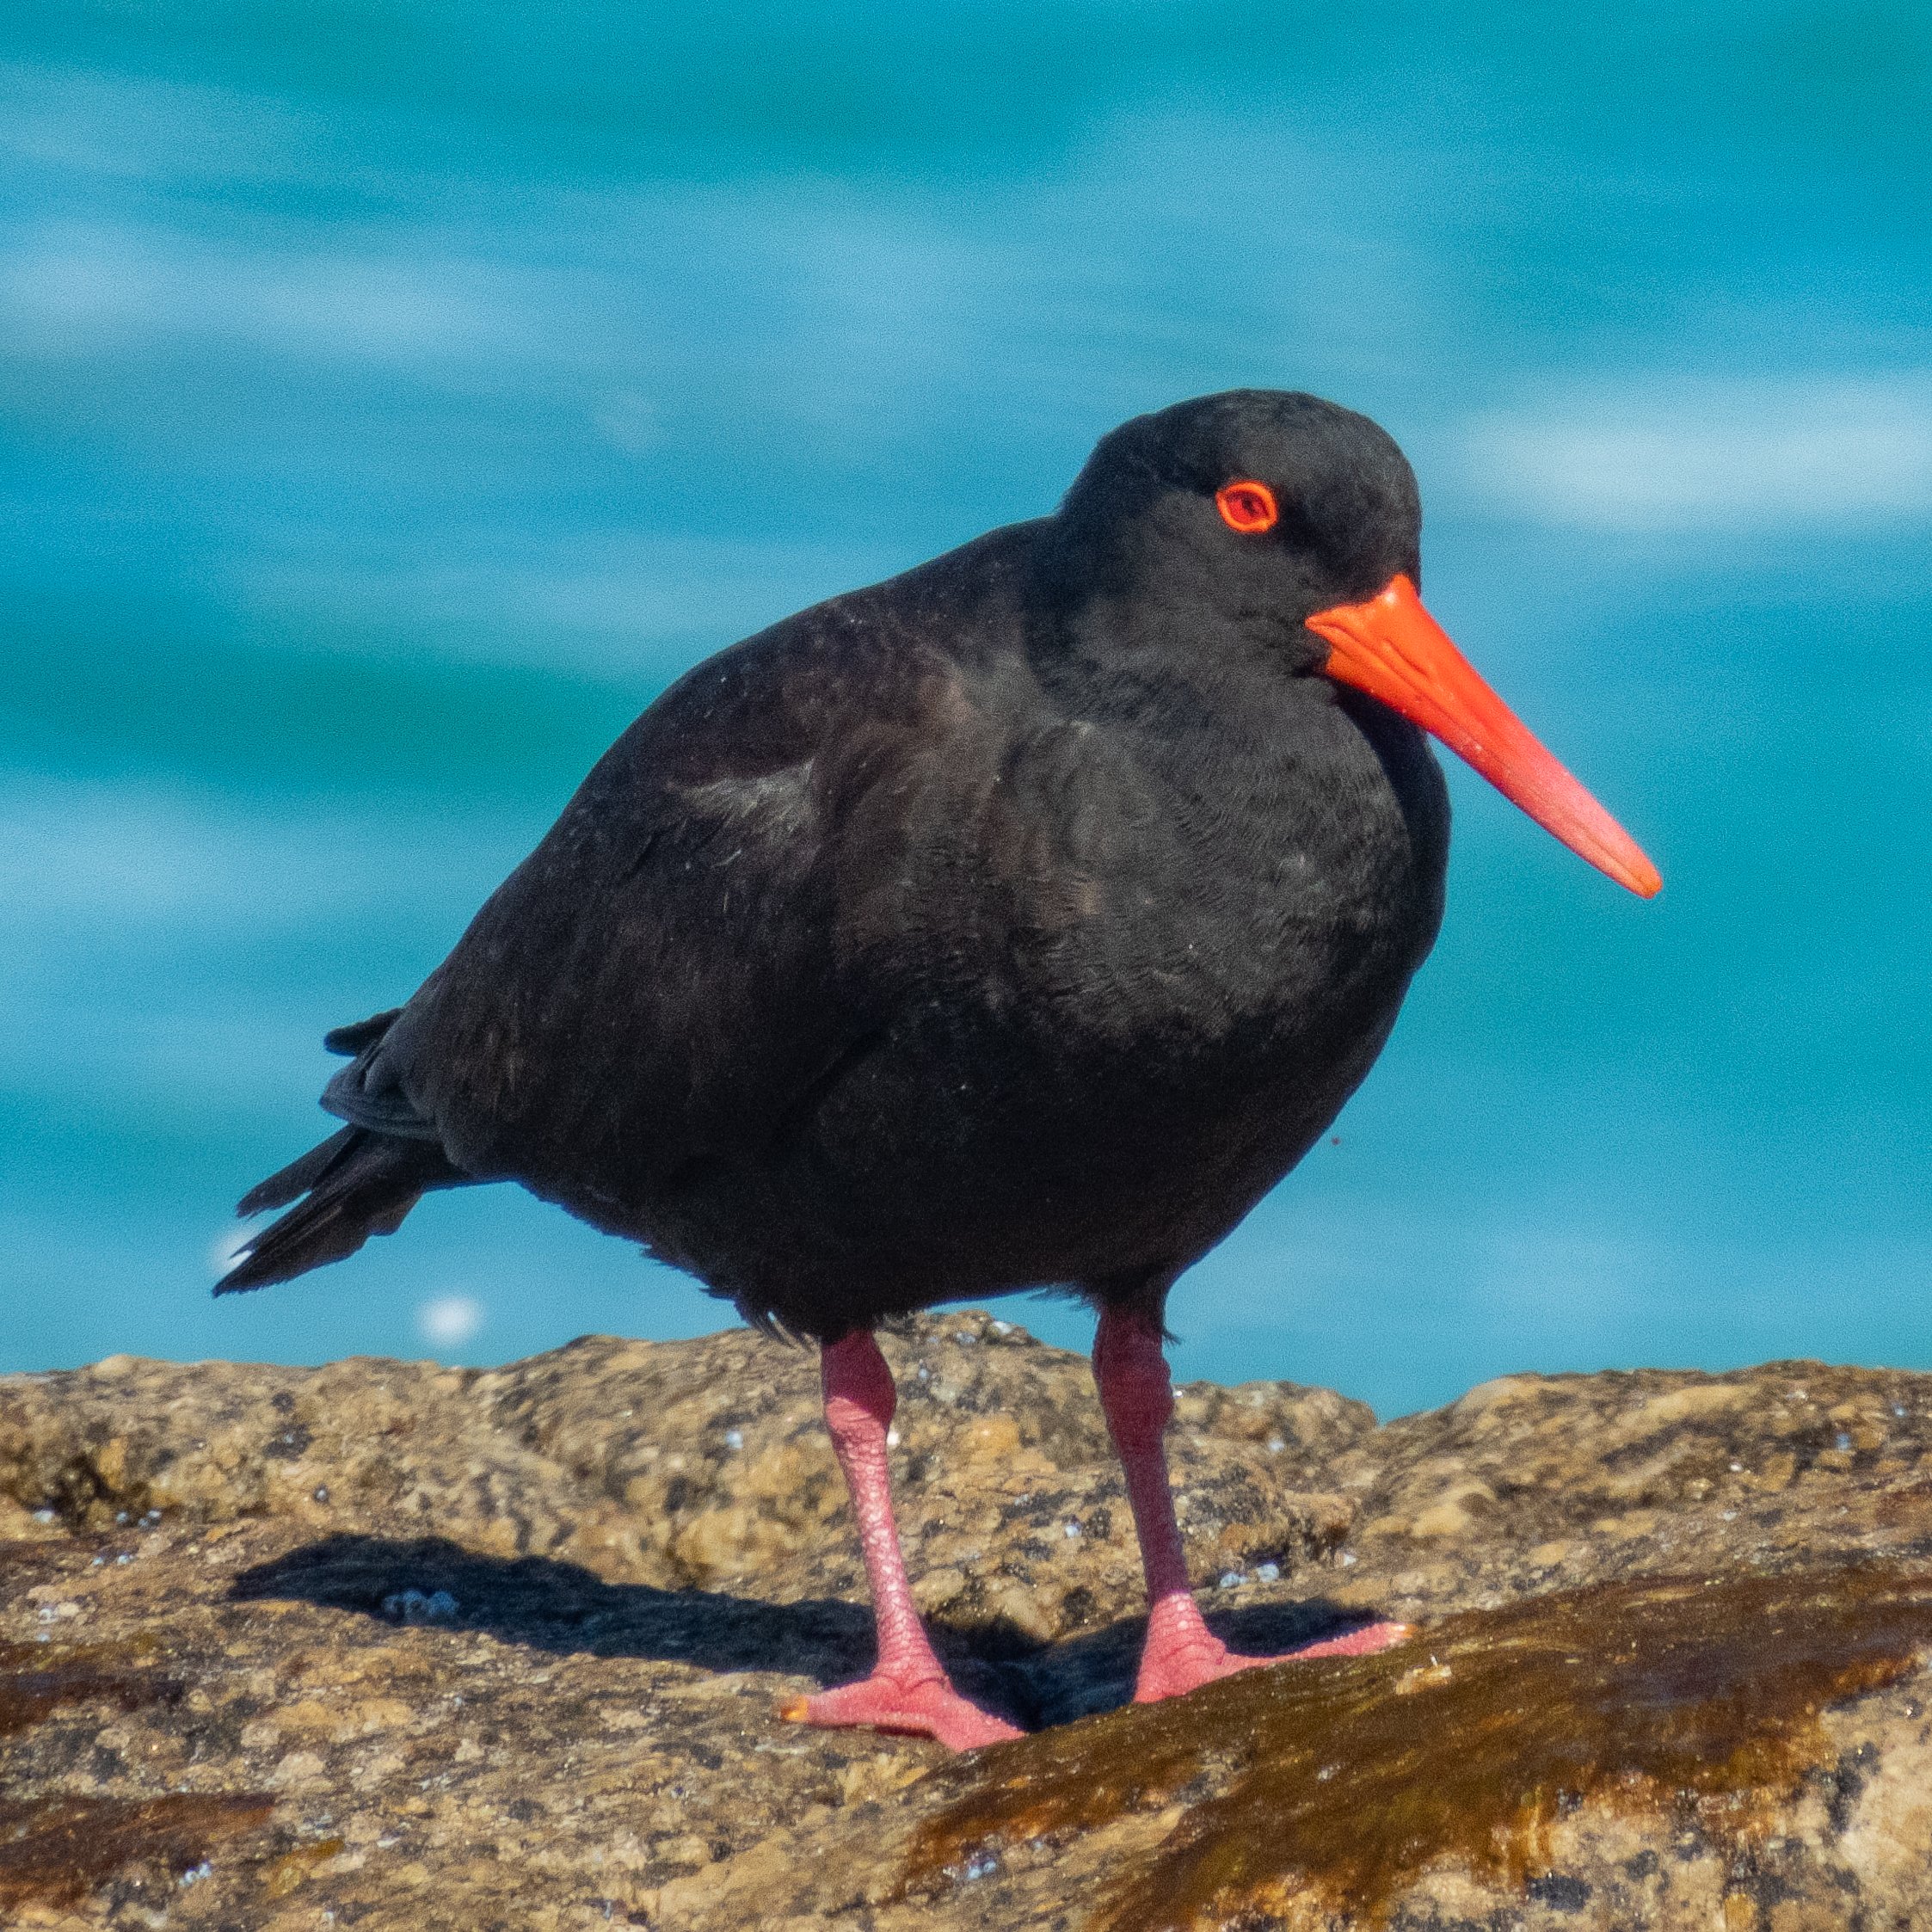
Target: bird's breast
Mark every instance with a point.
(1226, 891)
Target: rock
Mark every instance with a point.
(402, 1644)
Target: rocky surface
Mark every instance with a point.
(383, 1644)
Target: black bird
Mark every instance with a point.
(1016, 922)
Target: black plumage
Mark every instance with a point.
(1017, 921)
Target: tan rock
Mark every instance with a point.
(503, 1647)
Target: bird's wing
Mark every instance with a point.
(693, 948)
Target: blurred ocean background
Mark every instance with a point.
(396, 395)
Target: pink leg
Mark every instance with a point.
(1137, 1395)
(908, 1688)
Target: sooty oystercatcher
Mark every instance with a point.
(1017, 921)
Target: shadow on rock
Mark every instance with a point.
(562, 1608)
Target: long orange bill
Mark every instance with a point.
(1390, 647)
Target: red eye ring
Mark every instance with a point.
(1247, 506)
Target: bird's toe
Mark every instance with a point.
(1364, 1640)
(929, 1708)
(1172, 1669)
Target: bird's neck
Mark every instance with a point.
(1228, 679)
(1257, 752)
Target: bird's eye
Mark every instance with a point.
(1247, 506)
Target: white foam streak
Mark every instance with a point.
(1732, 454)
(79, 288)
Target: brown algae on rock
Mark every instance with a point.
(1337, 1782)
(36, 1679)
(55, 1851)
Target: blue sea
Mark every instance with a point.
(396, 395)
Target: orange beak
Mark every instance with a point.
(1391, 647)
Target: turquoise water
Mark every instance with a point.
(395, 395)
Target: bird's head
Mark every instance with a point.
(1300, 521)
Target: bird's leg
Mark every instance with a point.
(908, 1688)
(1137, 1396)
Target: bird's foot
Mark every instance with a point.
(926, 1707)
(1174, 1664)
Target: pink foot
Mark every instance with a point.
(1179, 1660)
(928, 1708)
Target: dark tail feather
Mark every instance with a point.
(299, 1176)
(357, 1183)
